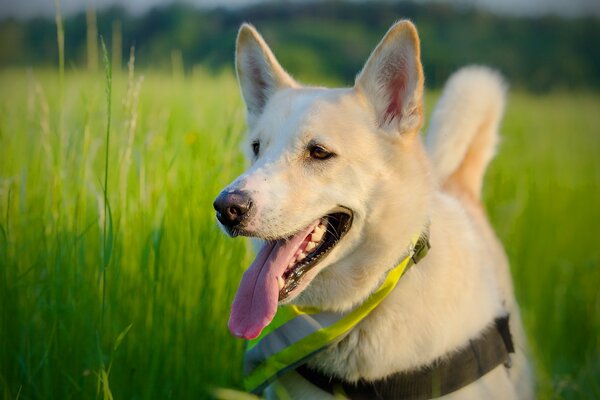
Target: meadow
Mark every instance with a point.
(116, 282)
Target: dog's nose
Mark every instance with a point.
(232, 207)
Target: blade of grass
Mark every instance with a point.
(121, 336)
(105, 244)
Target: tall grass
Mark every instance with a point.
(543, 194)
(107, 214)
(107, 225)
(171, 274)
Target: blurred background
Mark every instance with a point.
(120, 121)
(539, 45)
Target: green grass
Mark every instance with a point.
(543, 195)
(170, 274)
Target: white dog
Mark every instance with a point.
(339, 184)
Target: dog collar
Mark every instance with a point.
(446, 375)
(296, 333)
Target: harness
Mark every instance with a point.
(298, 333)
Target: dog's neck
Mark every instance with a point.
(435, 309)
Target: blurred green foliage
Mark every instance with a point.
(332, 39)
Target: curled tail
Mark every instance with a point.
(463, 131)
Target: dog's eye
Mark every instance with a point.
(318, 152)
(256, 147)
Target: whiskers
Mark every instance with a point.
(332, 229)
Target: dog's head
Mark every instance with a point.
(337, 177)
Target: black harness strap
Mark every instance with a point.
(478, 357)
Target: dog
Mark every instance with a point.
(348, 168)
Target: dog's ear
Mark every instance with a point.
(259, 73)
(392, 80)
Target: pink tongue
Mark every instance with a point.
(256, 300)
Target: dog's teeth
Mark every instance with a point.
(301, 256)
(280, 282)
(317, 234)
(310, 246)
(296, 274)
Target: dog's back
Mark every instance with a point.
(461, 142)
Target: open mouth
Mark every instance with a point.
(280, 268)
(315, 246)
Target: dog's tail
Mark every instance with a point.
(463, 131)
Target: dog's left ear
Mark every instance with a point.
(259, 73)
(392, 80)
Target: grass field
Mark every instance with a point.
(130, 298)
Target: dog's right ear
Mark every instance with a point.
(259, 73)
(392, 80)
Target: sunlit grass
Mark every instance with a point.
(543, 195)
(172, 274)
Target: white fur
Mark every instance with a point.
(382, 172)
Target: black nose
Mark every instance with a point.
(232, 207)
